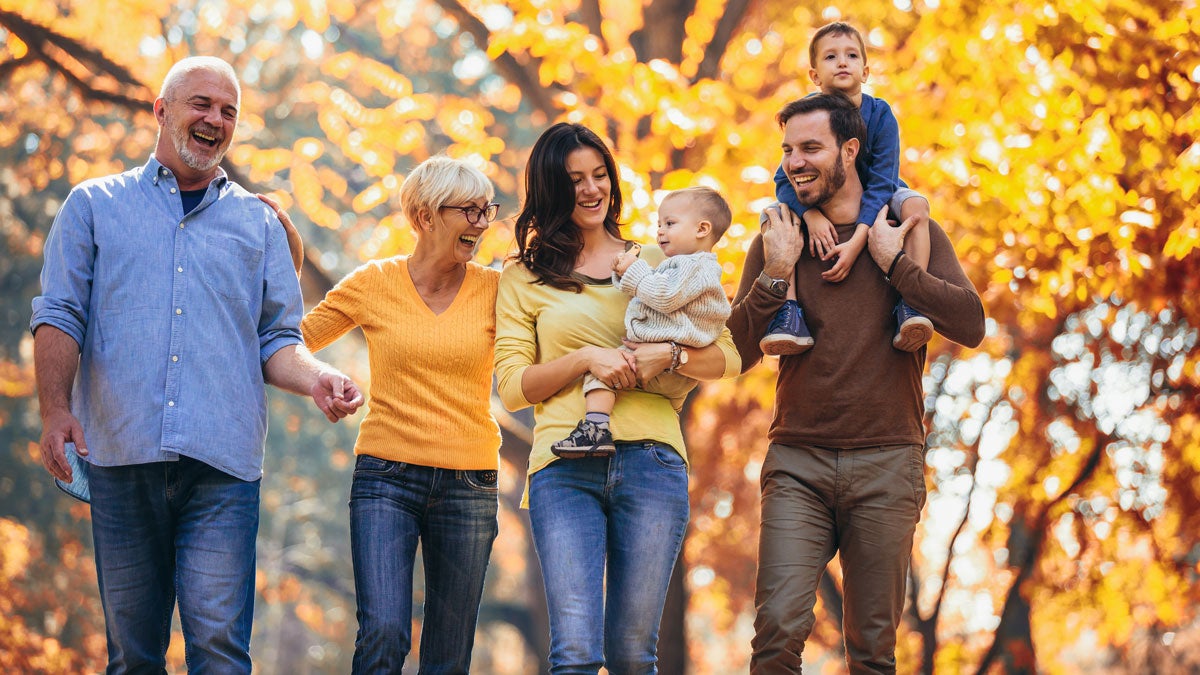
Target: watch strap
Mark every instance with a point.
(776, 287)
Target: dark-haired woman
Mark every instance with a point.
(557, 315)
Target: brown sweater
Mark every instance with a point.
(853, 389)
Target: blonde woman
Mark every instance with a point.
(427, 458)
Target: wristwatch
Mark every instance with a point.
(776, 287)
(679, 356)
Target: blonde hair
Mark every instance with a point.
(184, 67)
(441, 181)
(710, 205)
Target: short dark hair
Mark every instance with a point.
(548, 241)
(710, 205)
(844, 117)
(835, 28)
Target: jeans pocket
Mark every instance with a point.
(483, 480)
(666, 456)
(369, 465)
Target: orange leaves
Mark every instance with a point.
(369, 72)
(309, 194)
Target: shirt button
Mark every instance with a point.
(174, 358)
(178, 310)
(172, 190)
(178, 269)
(171, 403)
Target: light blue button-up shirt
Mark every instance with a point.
(175, 317)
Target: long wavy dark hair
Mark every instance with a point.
(548, 241)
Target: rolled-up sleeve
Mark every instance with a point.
(516, 339)
(67, 272)
(282, 302)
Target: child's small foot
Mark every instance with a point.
(913, 330)
(787, 334)
(589, 439)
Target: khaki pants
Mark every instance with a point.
(863, 503)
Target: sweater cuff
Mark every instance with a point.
(634, 275)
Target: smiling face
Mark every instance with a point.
(593, 187)
(812, 159)
(454, 237)
(682, 228)
(197, 118)
(840, 65)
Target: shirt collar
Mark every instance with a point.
(154, 171)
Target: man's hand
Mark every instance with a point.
(58, 428)
(782, 241)
(336, 395)
(885, 241)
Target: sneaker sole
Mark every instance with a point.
(580, 453)
(784, 345)
(913, 334)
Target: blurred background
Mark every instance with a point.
(1058, 144)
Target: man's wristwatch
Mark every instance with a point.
(776, 287)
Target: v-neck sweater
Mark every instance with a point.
(431, 374)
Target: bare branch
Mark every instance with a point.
(524, 76)
(1016, 606)
(590, 9)
(731, 19)
(663, 29)
(38, 38)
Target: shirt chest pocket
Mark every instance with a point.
(231, 267)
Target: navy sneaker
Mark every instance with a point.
(913, 330)
(588, 439)
(787, 334)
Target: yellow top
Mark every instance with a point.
(431, 374)
(537, 323)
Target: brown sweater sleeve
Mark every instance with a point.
(753, 308)
(944, 293)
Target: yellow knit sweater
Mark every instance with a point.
(431, 375)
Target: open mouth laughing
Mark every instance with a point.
(205, 137)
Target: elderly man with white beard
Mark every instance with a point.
(168, 301)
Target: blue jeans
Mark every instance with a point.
(175, 529)
(629, 512)
(393, 505)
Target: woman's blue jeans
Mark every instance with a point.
(452, 514)
(170, 529)
(622, 516)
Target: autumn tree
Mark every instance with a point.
(1057, 144)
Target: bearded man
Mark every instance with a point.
(844, 471)
(168, 301)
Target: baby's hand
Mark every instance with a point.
(625, 259)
